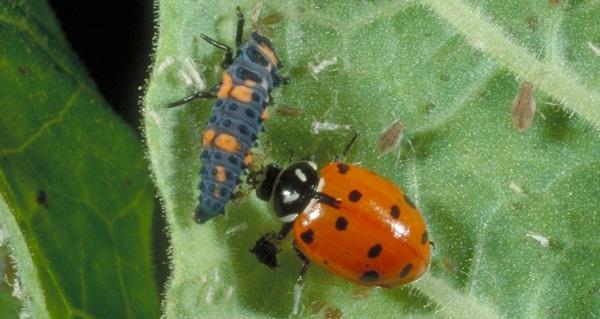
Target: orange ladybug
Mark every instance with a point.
(347, 220)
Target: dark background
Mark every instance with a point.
(113, 39)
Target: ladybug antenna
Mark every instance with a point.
(347, 148)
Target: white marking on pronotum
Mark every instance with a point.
(300, 175)
(236, 229)
(297, 297)
(594, 48)
(313, 165)
(290, 197)
(288, 218)
(318, 67)
(314, 201)
(541, 239)
(317, 127)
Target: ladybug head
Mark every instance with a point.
(293, 189)
(263, 180)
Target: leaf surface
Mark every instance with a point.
(513, 216)
(76, 201)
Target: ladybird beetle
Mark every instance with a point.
(243, 96)
(346, 219)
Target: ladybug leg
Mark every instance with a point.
(305, 265)
(300, 281)
(284, 230)
(327, 199)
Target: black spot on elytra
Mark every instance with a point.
(395, 211)
(341, 223)
(375, 251)
(369, 276)
(42, 199)
(342, 168)
(409, 202)
(354, 196)
(424, 238)
(307, 236)
(406, 270)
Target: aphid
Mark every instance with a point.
(243, 96)
(346, 219)
(523, 108)
(390, 138)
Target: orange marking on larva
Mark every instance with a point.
(208, 137)
(248, 159)
(220, 174)
(227, 143)
(226, 86)
(265, 114)
(242, 93)
(268, 53)
(249, 83)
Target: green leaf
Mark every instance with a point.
(76, 201)
(9, 306)
(514, 217)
